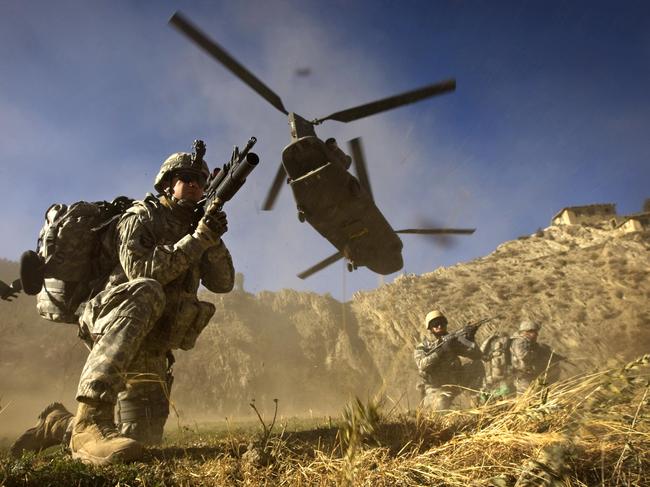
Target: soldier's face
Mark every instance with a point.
(184, 188)
(438, 327)
(531, 335)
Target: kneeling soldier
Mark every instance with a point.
(438, 360)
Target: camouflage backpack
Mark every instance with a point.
(72, 260)
(496, 356)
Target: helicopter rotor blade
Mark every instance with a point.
(276, 186)
(217, 52)
(392, 102)
(321, 265)
(360, 164)
(438, 231)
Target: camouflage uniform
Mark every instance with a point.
(149, 307)
(441, 368)
(528, 361)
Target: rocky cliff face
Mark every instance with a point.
(587, 285)
(296, 347)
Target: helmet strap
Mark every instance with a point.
(181, 206)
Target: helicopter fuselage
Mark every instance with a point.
(338, 207)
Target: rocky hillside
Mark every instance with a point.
(588, 285)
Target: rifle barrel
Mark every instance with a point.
(249, 146)
(236, 177)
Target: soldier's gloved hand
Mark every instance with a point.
(214, 223)
(469, 332)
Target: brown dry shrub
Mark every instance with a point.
(592, 429)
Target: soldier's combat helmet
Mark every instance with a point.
(434, 315)
(180, 161)
(528, 325)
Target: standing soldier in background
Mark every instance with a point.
(530, 359)
(148, 307)
(438, 360)
(513, 363)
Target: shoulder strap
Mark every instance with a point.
(507, 340)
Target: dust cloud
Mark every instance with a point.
(587, 285)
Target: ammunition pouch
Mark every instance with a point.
(59, 300)
(182, 329)
(200, 321)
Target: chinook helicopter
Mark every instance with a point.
(336, 204)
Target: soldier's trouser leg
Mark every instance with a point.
(119, 319)
(143, 407)
(437, 398)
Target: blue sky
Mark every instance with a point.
(552, 109)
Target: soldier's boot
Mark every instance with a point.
(95, 439)
(53, 423)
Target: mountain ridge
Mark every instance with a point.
(587, 285)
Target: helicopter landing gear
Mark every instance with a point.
(352, 266)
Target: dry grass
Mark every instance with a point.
(591, 429)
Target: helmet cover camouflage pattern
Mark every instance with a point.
(176, 162)
(528, 325)
(434, 315)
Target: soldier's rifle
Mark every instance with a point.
(556, 358)
(224, 183)
(465, 334)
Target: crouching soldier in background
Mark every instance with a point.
(148, 307)
(438, 360)
(513, 363)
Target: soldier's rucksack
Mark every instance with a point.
(71, 262)
(496, 356)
